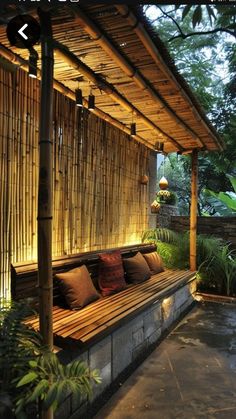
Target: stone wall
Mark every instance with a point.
(165, 214)
(223, 227)
(112, 355)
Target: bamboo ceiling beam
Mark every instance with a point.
(119, 58)
(73, 61)
(150, 46)
(23, 64)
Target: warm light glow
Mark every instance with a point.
(165, 301)
(167, 305)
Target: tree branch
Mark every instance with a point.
(184, 36)
(173, 20)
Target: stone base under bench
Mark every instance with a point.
(116, 352)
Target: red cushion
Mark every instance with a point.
(111, 273)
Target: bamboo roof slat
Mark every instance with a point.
(147, 72)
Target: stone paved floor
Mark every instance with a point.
(192, 374)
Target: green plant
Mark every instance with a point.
(219, 270)
(166, 197)
(31, 375)
(215, 260)
(172, 246)
(227, 198)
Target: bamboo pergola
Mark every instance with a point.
(98, 202)
(112, 50)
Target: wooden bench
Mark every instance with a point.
(99, 319)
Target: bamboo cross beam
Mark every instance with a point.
(109, 89)
(23, 64)
(152, 49)
(101, 38)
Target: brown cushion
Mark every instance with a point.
(77, 287)
(111, 273)
(154, 262)
(136, 268)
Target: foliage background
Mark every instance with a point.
(201, 39)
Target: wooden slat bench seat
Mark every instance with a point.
(84, 327)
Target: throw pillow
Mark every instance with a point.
(77, 287)
(111, 273)
(154, 262)
(136, 268)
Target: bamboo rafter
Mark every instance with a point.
(76, 63)
(23, 64)
(150, 46)
(100, 37)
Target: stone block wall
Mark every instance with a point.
(165, 214)
(223, 227)
(113, 354)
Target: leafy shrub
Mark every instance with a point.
(31, 375)
(215, 260)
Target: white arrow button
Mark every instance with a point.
(21, 31)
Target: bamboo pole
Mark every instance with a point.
(45, 184)
(193, 211)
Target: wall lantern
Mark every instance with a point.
(91, 101)
(79, 98)
(33, 59)
(133, 129)
(159, 146)
(144, 180)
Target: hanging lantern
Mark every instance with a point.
(163, 183)
(155, 207)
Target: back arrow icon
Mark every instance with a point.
(21, 31)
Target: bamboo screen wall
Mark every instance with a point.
(98, 199)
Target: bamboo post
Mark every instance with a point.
(193, 211)
(45, 184)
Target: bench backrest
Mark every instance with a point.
(25, 275)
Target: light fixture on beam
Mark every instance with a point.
(91, 101)
(33, 59)
(159, 146)
(79, 98)
(133, 129)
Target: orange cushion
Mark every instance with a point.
(77, 287)
(154, 262)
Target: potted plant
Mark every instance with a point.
(166, 197)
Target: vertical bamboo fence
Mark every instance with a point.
(98, 199)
